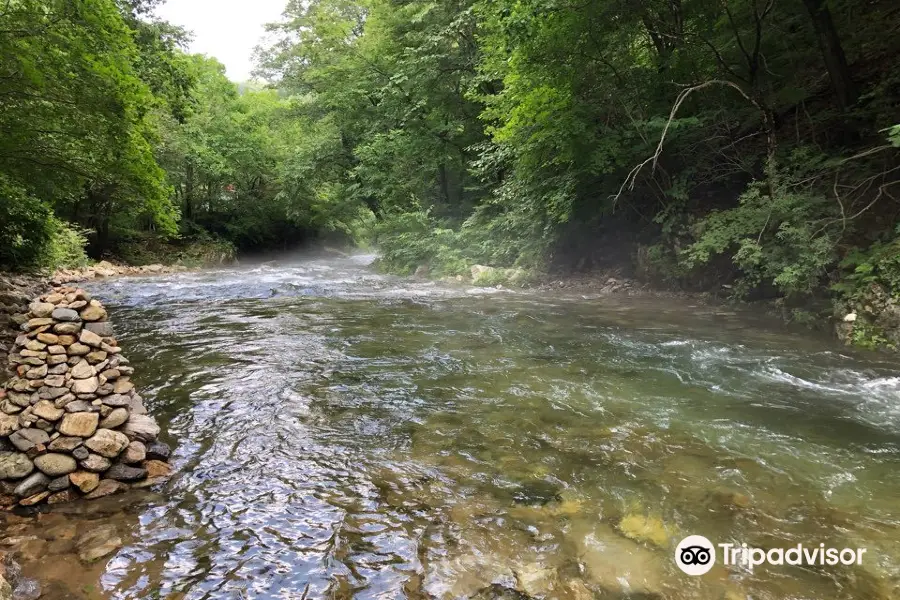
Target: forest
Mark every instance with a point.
(745, 146)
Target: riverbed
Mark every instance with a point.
(343, 434)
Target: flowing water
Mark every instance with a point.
(342, 434)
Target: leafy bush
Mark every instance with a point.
(31, 237)
(25, 227)
(66, 246)
(207, 252)
(879, 264)
(869, 286)
(774, 241)
(198, 250)
(411, 239)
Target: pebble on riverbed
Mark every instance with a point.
(72, 424)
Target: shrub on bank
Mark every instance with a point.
(868, 296)
(410, 240)
(195, 251)
(32, 238)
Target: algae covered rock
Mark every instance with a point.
(642, 528)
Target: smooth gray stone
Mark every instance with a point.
(103, 328)
(65, 314)
(35, 483)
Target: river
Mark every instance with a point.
(342, 434)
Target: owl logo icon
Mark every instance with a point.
(695, 555)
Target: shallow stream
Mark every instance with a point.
(342, 434)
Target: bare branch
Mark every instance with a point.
(631, 179)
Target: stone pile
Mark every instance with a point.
(71, 422)
(15, 294)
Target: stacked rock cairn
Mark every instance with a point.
(71, 423)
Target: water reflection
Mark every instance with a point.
(346, 435)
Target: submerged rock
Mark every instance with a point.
(157, 468)
(616, 564)
(499, 592)
(537, 492)
(122, 472)
(27, 589)
(642, 528)
(97, 543)
(107, 487)
(158, 451)
(536, 579)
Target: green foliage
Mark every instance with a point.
(31, 237)
(66, 247)
(25, 227)
(248, 167)
(894, 135)
(74, 113)
(200, 250)
(728, 140)
(867, 335)
(879, 264)
(408, 240)
(775, 240)
(379, 98)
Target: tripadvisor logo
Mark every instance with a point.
(696, 555)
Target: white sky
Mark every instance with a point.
(228, 30)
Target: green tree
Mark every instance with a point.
(74, 128)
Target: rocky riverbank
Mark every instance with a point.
(16, 291)
(15, 294)
(105, 269)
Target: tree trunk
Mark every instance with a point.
(445, 184)
(832, 52)
(98, 200)
(189, 191)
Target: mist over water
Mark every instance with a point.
(349, 435)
